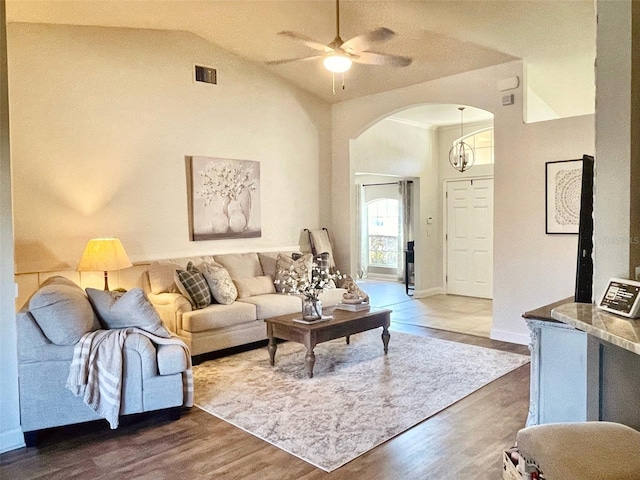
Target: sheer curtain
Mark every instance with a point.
(361, 229)
(405, 234)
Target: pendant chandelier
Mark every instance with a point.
(461, 155)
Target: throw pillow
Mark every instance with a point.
(129, 309)
(287, 268)
(249, 287)
(162, 278)
(222, 287)
(240, 265)
(63, 312)
(196, 286)
(180, 287)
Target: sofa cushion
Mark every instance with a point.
(218, 316)
(241, 265)
(248, 287)
(290, 270)
(197, 289)
(130, 309)
(222, 288)
(272, 305)
(63, 312)
(162, 277)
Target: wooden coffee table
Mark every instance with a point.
(343, 324)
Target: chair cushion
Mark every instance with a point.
(130, 309)
(195, 285)
(222, 288)
(582, 451)
(63, 312)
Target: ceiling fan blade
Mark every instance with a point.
(363, 42)
(289, 60)
(373, 58)
(309, 42)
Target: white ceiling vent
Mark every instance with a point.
(206, 74)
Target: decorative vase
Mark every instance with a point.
(244, 197)
(311, 309)
(225, 205)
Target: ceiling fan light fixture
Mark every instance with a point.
(337, 63)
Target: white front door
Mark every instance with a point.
(469, 237)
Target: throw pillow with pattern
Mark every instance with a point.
(222, 287)
(196, 286)
(287, 267)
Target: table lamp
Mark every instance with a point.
(104, 254)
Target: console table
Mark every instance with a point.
(585, 365)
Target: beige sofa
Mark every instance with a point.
(219, 326)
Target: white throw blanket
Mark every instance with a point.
(96, 370)
(321, 243)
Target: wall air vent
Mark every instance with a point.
(206, 74)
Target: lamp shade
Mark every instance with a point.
(104, 254)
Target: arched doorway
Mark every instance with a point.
(413, 144)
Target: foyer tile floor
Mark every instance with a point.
(469, 315)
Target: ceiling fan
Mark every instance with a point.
(339, 55)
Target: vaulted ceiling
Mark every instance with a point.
(442, 37)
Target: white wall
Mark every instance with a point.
(530, 268)
(612, 189)
(102, 118)
(10, 432)
(393, 147)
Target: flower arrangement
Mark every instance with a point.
(226, 181)
(310, 286)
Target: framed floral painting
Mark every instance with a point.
(224, 198)
(563, 190)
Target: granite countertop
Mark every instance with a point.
(615, 329)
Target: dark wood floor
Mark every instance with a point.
(463, 441)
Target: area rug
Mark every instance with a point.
(358, 397)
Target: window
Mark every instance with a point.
(382, 227)
(482, 143)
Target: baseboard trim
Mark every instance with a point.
(429, 292)
(511, 337)
(11, 439)
(381, 276)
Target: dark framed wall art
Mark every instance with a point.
(224, 198)
(563, 187)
